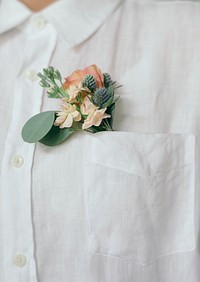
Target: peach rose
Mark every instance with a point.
(77, 76)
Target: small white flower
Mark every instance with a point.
(74, 90)
(95, 118)
(66, 117)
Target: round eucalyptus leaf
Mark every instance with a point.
(38, 126)
(56, 136)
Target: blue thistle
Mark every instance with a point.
(107, 79)
(101, 96)
(89, 82)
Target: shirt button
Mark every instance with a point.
(39, 23)
(17, 161)
(19, 260)
(32, 75)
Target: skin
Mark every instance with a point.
(37, 5)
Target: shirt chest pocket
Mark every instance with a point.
(139, 194)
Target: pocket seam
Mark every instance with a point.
(138, 175)
(189, 144)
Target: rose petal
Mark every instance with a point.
(77, 76)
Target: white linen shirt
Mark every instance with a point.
(119, 206)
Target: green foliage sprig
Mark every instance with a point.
(49, 80)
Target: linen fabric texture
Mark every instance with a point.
(118, 206)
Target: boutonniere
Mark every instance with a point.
(87, 103)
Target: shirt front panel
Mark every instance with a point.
(159, 94)
(22, 99)
(153, 99)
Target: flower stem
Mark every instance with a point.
(108, 127)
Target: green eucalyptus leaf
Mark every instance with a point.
(38, 126)
(56, 136)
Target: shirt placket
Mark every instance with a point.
(18, 233)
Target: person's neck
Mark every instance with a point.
(37, 5)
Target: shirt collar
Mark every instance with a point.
(74, 20)
(18, 11)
